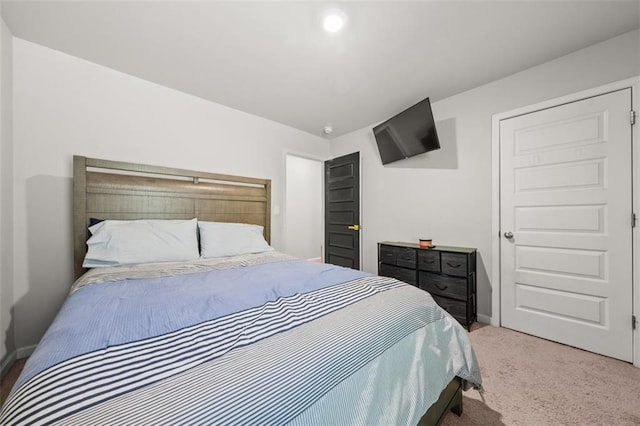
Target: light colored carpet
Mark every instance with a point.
(531, 381)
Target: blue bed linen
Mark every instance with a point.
(289, 342)
(267, 365)
(103, 315)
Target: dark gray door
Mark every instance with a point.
(342, 211)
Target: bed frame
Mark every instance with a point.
(450, 400)
(104, 189)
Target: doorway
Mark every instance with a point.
(303, 207)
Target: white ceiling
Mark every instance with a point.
(274, 60)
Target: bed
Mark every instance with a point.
(230, 334)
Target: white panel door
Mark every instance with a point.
(565, 195)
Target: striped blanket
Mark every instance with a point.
(306, 343)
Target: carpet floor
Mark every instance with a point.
(531, 381)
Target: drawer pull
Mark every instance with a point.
(451, 265)
(442, 288)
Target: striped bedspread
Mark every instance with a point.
(261, 339)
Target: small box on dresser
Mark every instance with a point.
(448, 273)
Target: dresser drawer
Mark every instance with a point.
(406, 257)
(429, 260)
(443, 285)
(454, 264)
(456, 308)
(387, 254)
(402, 274)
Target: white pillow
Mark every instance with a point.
(126, 242)
(218, 239)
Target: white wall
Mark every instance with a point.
(304, 232)
(446, 195)
(64, 106)
(7, 345)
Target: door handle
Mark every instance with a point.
(441, 287)
(508, 235)
(354, 227)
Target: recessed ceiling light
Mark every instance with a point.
(334, 21)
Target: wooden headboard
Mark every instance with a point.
(105, 189)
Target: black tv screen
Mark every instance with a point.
(409, 133)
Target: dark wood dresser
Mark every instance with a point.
(448, 273)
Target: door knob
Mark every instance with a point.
(508, 235)
(354, 227)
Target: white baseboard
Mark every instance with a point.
(10, 359)
(25, 351)
(315, 259)
(7, 363)
(485, 319)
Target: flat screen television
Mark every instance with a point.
(409, 133)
